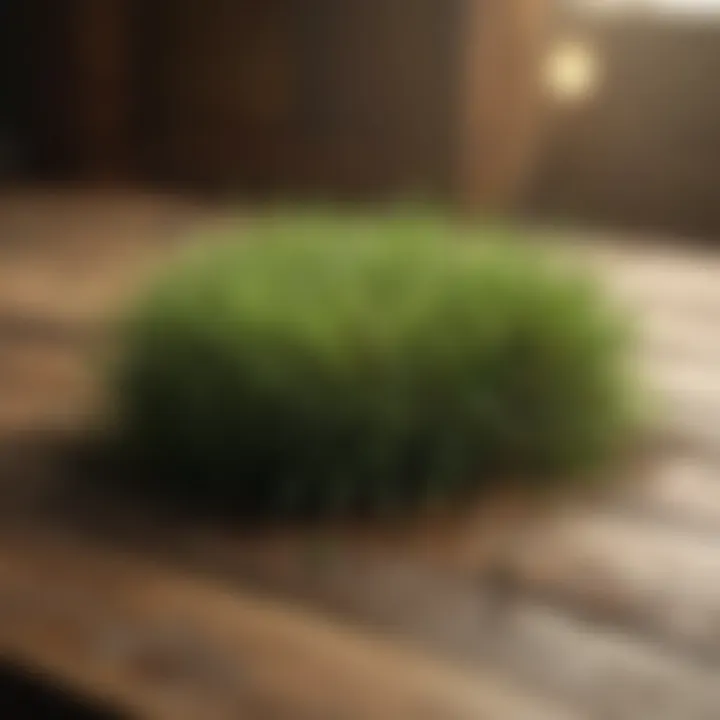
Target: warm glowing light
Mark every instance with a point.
(674, 7)
(572, 71)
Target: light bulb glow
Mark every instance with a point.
(572, 72)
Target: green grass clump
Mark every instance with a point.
(319, 363)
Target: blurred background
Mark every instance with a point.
(592, 111)
(128, 125)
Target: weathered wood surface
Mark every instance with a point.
(162, 645)
(609, 610)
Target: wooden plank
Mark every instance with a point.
(596, 667)
(680, 489)
(656, 578)
(499, 116)
(100, 43)
(163, 645)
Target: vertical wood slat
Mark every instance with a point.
(100, 44)
(500, 105)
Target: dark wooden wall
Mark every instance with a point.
(69, 97)
(358, 98)
(354, 96)
(35, 77)
(213, 88)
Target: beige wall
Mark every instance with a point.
(645, 151)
